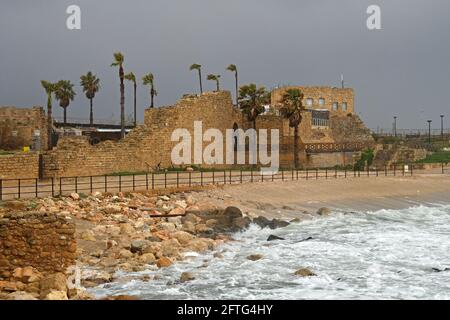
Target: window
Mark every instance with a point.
(344, 106)
(321, 102)
(335, 106)
(309, 102)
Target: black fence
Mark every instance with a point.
(31, 188)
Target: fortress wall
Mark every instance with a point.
(147, 145)
(18, 126)
(330, 95)
(19, 165)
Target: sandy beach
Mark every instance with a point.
(286, 199)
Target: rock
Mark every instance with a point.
(167, 226)
(8, 286)
(190, 200)
(324, 211)
(203, 228)
(163, 262)
(97, 278)
(170, 248)
(240, 223)
(21, 295)
(88, 236)
(186, 276)
(233, 212)
(54, 282)
(27, 275)
(275, 224)
(147, 258)
(255, 257)
(112, 209)
(137, 246)
(56, 295)
(126, 254)
(218, 255)
(189, 227)
(199, 245)
(154, 248)
(182, 237)
(190, 169)
(295, 220)
(15, 205)
(273, 238)
(164, 198)
(177, 211)
(126, 229)
(304, 272)
(75, 196)
(79, 294)
(181, 204)
(261, 221)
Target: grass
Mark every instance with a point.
(4, 153)
(437, 157)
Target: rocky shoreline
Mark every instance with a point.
(129, 232)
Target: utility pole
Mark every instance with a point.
(342, 81)
(429, 131)
(395, 126)
(442, 126)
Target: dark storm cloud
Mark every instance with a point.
(401, 70)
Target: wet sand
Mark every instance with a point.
(287, 199)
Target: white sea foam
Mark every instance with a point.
(388, 254)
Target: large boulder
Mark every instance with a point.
(261, 221)
(304, 272)
(276, 223)
(53, 282)
(138, 246)
(56, 295)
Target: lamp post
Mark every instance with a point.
(442, 126)
(395, 126)
(429, 130)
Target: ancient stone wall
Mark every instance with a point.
(19, 126)
(19, 165)
(147, 145)
(41, 240)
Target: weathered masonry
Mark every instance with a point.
(330, 134)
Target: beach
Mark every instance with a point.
(288, 198)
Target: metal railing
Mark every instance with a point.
(35, 188)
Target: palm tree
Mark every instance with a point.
(131, 77)
(91, 85)
(64, 94)
(49, 89)
(233, 68)
(118, 62)
(198, 67)
(149, 80)
(291, 109)
(252, 101)
(214, 77)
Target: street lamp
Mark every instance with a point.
(395, 126)
(442, 126)
(429, 130)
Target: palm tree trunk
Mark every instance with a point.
(152, 94)
(217, 85)
(91, 115)
(200, 77)
(49, 123)
(122, 103)
(135, 116)
(65, 116)
(237, 89)
(296, 160)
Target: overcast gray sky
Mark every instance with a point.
(401, 70)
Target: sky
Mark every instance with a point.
(401, 70)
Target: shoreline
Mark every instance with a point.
(289, 199)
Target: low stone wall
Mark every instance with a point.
(19, 165)
(44, 241)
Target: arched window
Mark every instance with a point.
(321, 102)
(344, 106)
(335, 106)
